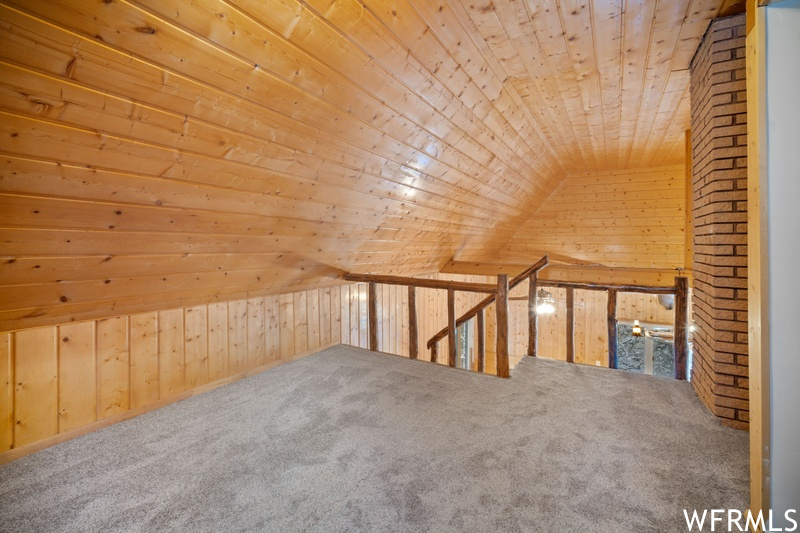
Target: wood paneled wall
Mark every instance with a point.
(630, 219)
(58, 379)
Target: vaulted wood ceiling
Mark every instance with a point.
(166, 152)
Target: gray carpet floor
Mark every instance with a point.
(349, 440)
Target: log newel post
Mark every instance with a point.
(481, 341)
(611, 314)
(373, 317)
(570, 325)
(451, 325)
(413, 340)
(502, 326)
(681, 326)
(434, 352)
(533, 316)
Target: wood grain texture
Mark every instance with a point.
(35, 385)
(159, 155)
(480, 341)
(451, 327)
(532, 314)
(373, 316)
(59, 380)
(413, 332)
(144, 358)
(605, 82)
(113, 366)
(171, 353)
(758, 278)
(570, 332)
(625, 220)
(681, 328)
(6, 392)
(217, 147)
(77, 375)
(502, 310)
(195, 321)
(591, 336)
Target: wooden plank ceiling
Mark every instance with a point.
(161, 153)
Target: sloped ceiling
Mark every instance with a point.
(162, 153)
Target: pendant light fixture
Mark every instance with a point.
(545, 303)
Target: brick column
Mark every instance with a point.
(719, 220)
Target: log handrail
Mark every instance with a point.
(486, 302)
(647, 289)
(422, 282)
(500, 294)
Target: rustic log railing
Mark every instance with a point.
(450, 286)
(501, 296)
(681, 338)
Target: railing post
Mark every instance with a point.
(451, 324)
(533, 318)
(434, 352)
(481, 341)
(681, 326)
(611, 314)
(570, 325)
(373, 317)
(502, 326)
(413, 340)
(486, 301)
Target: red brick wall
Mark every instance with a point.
(719, 220)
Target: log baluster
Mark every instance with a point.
(481, 340)
(570, 325)
(533, 318)
(413, 340)
(681, 341)
(373, 317)
(451, 325)
(502, 326)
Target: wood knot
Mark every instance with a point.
(146, 29)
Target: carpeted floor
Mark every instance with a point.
(348, 440)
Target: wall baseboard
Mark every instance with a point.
(28, 449)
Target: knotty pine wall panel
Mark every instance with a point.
(35, 385)
(62, 379)
(628, 219)
(77, 376)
